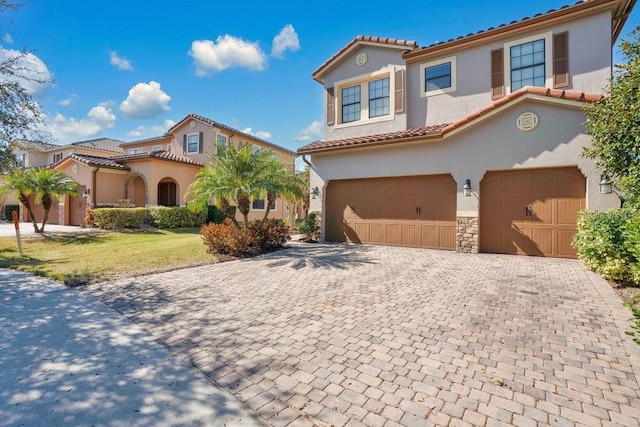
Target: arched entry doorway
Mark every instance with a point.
(136, 190)
(167, 192)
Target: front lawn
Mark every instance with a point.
(77, 259)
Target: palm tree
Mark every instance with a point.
(21, 183)
(279, 180)
(48, 185)
(235, 175)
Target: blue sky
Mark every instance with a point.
(130, 69)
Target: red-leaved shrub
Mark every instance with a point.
(260, 237)
(269, 234)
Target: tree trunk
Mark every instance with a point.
(24, 199)
(243, 206)
(229, 211)
(270, 198)
(47, 201)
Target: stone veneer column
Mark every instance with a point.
(62, 218)
(467, 235)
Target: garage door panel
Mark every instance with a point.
(393, 210)
(554, 196)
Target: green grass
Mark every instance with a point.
(77, 259)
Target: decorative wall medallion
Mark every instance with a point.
(192, 124)
(361, 58)
(527, 121)
(74, 168)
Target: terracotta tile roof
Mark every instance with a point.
(103, 162)
(104, 144)
(35, 145)
(620, 14)
(145, 140)
(409, 44)
(162, 155)
(227, 128)
(439, 131)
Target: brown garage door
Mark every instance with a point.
(415, 211)
(531, 212)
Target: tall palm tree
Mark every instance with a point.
(279, 180)
(235, 175)
(21, 183)
(48, 185)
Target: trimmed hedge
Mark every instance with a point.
(176, 217)
(10, 208)
(118, 218)
(607, 242)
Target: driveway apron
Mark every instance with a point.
(337, 334)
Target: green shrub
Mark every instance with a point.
(10, 208)
(310, 227)
(227, 239)
(215, 214)
(176, 217)
(603, 242)
(119, 218)
(269, 234)
(632, 242)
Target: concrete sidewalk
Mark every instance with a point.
(7, 229)
(66, 359)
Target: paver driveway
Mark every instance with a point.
(381, 336)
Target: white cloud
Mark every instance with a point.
(227, 52)
(68, 101)
(7, 38)
(119, 62)
(66, 129)
(149, 131)
(145, 101)
(312, 132)
(32, 74)
(287, 39)
(262, 134)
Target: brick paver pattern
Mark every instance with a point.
(348, 335)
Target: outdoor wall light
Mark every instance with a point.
(466, 188)
(315, 192)
(605, 184)
(85, 193)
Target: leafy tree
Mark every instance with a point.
(614, 125)
(21, 183)
(279, 180)
(49, 184)
(20, 115)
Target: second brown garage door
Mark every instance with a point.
(531, 212)
(417, 211)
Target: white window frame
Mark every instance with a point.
(363, 81)
(423, 67)
(548, 58)
(156, 148)
(197, 135)
(136, 151)
(57, 157)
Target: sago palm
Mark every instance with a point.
(20, 182)
(48, 185)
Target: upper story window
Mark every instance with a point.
(379, 98)
(136, 151)
(156, 148)
(57, 157)
(221, 139)
(21, 160)
(438, 77)
(192, 143)
(350, 104)
(527, 64)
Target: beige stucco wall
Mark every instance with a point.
(154, 170)
(148, 146)
(495, 144)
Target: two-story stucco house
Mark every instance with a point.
(148, 172)
(473, 144)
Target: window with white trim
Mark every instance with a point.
(364, 99)
(156, 148)
(259, 205)
(193, 139)
(136, 151)
(221, 139)
(437, 77)
(528, 62)
(21, 160)
(57, 157)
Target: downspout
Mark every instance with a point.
(307, 162)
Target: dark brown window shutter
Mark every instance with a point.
(330, 109)
(184, 143)
(399, 91)
(201, 142)
(561, 60)
(497, 73)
